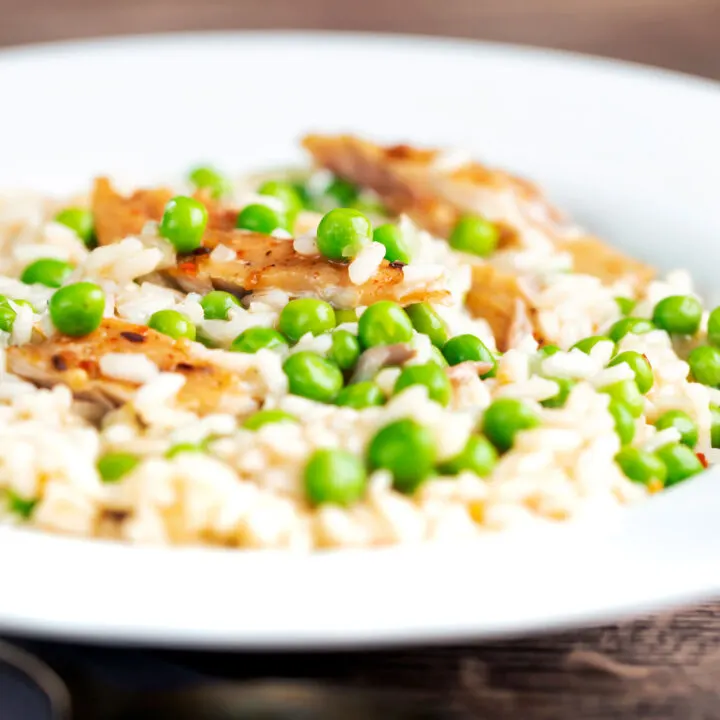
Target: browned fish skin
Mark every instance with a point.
(408, 183)
(593, 257)
(405, 180)
(262, 262)
(75, 362)
(265, 263)
(497, 297)
(116, 217)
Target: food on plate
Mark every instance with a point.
(242, 260)
(393, 346)
(478, 210)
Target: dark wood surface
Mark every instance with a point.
(665, 666)
(681, 34)
(658, 667)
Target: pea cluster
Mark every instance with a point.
(404, 447)
(76, 309)
(678, 315)
(343, 231)
(407, 450)
(323, 378)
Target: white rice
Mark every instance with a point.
(121, 262)
(306, 245)
(126, 366)
(366, 263)
(222, 254)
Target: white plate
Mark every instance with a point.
(632, 152)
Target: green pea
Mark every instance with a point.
(217, 304)
(636, 326)
(640, 366)
(209, 179)
(438, 358)
(186, 447)
(77, 309)
(680, 462)
(715, 426)
(360, 395)
(384, 323)
(80, 221)
(426, 320)
(311, 376)
(475, 235)
(625, 304)
(47, 271)
(396, 249)
(204, 339)
(258, 338)
(587, 344)
(345, 316)
(267, 417)
(547, 351)
(565, 385)
(345, 349)
(407, 450)
(678, 314)
(334, 477)
(306, 315)
(624, 421)
(342, 233)
(478, 456)
(432, 376)
(306, 198)
(683, 423)
(115, 465)
(464, 348)
(173, 324)
(626, 391)
(704, 364)
(505, 418)
(342, 191)
(285, 192)
(261, 219)
(19, 505)
(183, 223)
(713, 327)
(7, 315)
(641, 466)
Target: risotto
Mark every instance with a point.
(397, 345)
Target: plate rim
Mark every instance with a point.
(76, 625)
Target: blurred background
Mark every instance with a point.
(679, 34)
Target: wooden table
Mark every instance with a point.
(681, 34)
(661, 667)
